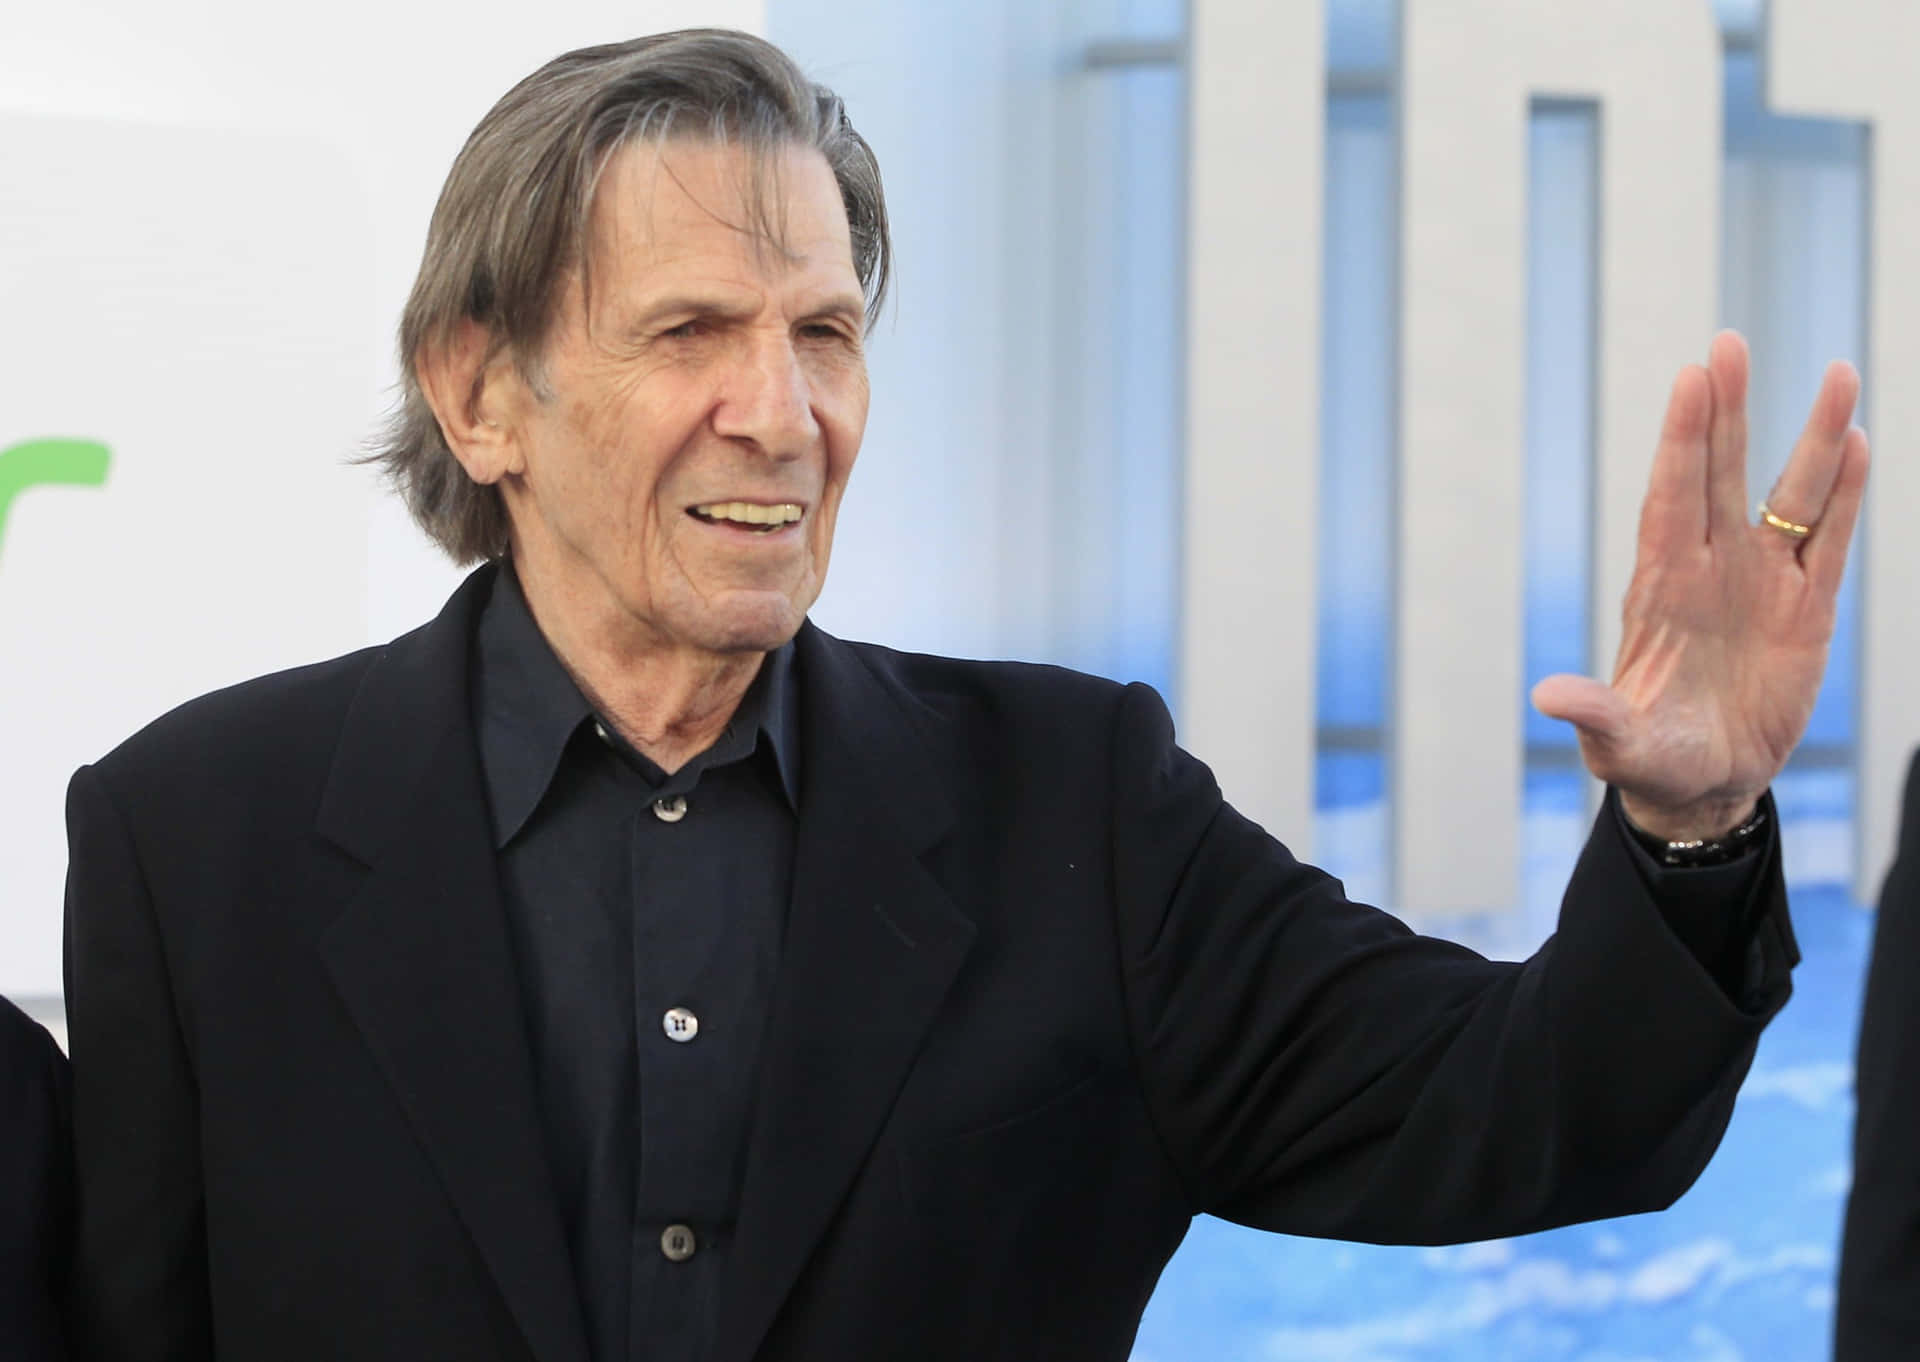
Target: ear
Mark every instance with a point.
(474, 396)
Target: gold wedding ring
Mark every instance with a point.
(1786, 527)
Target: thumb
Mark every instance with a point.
(1590, 706)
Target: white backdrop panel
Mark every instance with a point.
(1468, 74)
(1257, 140)
(193, 300)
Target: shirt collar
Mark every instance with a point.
(528, 710)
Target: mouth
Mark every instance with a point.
(750, 516)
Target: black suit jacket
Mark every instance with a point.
(35, 1200)
(1877, 1314)
(1043, 997)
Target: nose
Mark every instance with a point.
(767, 401)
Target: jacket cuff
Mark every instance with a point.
(1732, 918)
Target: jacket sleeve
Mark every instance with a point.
(1877, 1313)
(1314, 1067)
(139, 1286)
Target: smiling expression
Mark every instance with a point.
(679, 474)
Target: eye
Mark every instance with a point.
(687, 330)
(823, 331)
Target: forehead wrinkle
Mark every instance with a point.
(758, 183)
(759, 190)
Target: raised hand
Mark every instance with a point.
(1727, 621)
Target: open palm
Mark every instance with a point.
(1726, 622)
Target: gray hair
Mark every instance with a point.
(513, 219)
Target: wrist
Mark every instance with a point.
(1696, 851)
(1704, 821)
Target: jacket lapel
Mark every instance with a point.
(422, 962)
(871, 947)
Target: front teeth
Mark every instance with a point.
(746, 513)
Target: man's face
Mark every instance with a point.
(680, 478)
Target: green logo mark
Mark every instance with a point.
(43, 463)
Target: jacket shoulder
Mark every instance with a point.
(998, 683)
(1048, 715)
(276, 719)
(282, 719)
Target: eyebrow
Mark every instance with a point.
(700, 304)
(849, 305)
(736, 307)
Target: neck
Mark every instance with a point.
(670, 702)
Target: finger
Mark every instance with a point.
(1676, 507)
(1727, 366)
(1590, 706)
(1825, 554)
(1801, 492)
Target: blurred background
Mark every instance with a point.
(209, 218)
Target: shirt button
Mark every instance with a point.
(677, 1243)
(670, 810)
(680, 1024)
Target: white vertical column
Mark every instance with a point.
(1256, 148)
(1853, 59)
(1468, 73)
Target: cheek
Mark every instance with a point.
(622, 457)
(840, 457)
(844, 421)
(839, 466)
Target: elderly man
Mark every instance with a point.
(619, 967)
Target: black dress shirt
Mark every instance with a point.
(645, 912)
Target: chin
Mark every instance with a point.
(748, 626)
